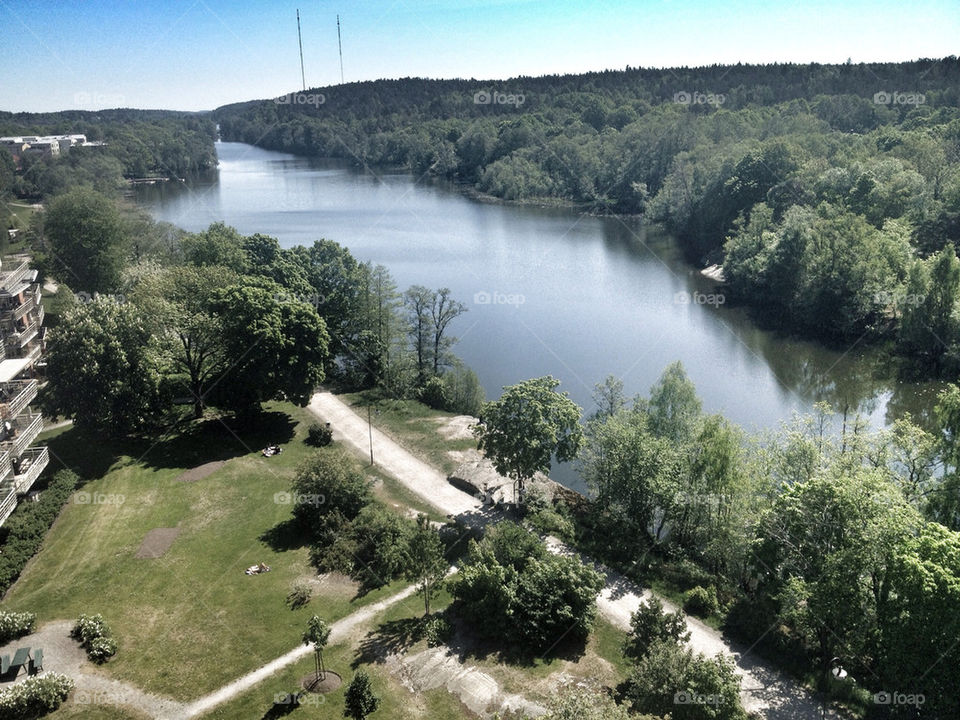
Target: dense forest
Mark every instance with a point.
(829, 193)
(136, 143)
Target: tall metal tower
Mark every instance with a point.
(303, 78)
(340, 48)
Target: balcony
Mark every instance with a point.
(8, 502)
(15, 397)
(24, 430)
(20, 267)
(32, 464)
(31, 301)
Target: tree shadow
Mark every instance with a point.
(282, 707)
(285, 535)
(215, 439)
(390, 638)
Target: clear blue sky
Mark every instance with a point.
(199, 54)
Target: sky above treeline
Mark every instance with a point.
(200, 54)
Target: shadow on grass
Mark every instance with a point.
(186, 445)
(282, 707)
(286, 535)
(390, 638)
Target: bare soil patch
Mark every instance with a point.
(329, 682)
(156, 542)
(200, 471)
(456, 428)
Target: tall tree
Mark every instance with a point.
(86, 241)
(317, 634)
(426, 564)
(526, 427)
(443, 310)
(419, 301)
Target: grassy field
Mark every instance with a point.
(191, 620)
(413, 426)
(396, 701)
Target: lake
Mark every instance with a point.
(549, 291)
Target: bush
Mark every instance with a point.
(651, 625)
(34, 697)
(15, 624)
(299, 594)
(327, 484)
(464, 392)
(534, 599)
(94, 636)
(102, 649)
(26, 528)
(701, 601)
(319, 435)
(550, 522)
(436, 630)
(434, 394)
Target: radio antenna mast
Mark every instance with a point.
(340, 47)
(300, 40)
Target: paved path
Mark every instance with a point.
(764, 690)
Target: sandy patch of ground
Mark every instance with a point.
(456, 428)
(156, 542)
(200, 471)
(439, 667)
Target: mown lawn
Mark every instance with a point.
(412, 425)
(190, 621)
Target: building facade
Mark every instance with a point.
(22, 335)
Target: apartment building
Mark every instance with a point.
(21, 348)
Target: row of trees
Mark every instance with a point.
(161, 317)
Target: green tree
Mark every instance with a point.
(652, 624)
(426, 564)
(317, 634)
(104, 368)
(360, 699)
(324, 484)
(929, 325)
(86, 241)
(443, 310)
(530, 423)
(674, 407)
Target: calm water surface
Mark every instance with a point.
(548, 291)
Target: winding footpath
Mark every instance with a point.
(764, 689)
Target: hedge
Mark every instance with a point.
(34, 697)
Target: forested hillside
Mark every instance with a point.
(137, 143)
(827, 191)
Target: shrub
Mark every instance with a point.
(327, 484)
(434, 394)
(464, 392)
(651, 625)
(94, 635)
(701, 601)
(26, 528)
(436, 630)
(15, 624)
(319, 435)
(550, 522)
(299, 594)
(34, 697)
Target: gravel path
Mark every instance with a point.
(764, 690)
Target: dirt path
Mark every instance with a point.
(764, 690)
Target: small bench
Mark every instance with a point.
(20, 659)
(36, 662)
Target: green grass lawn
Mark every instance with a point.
(412, 425)
(189, 621)
(396, 701)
